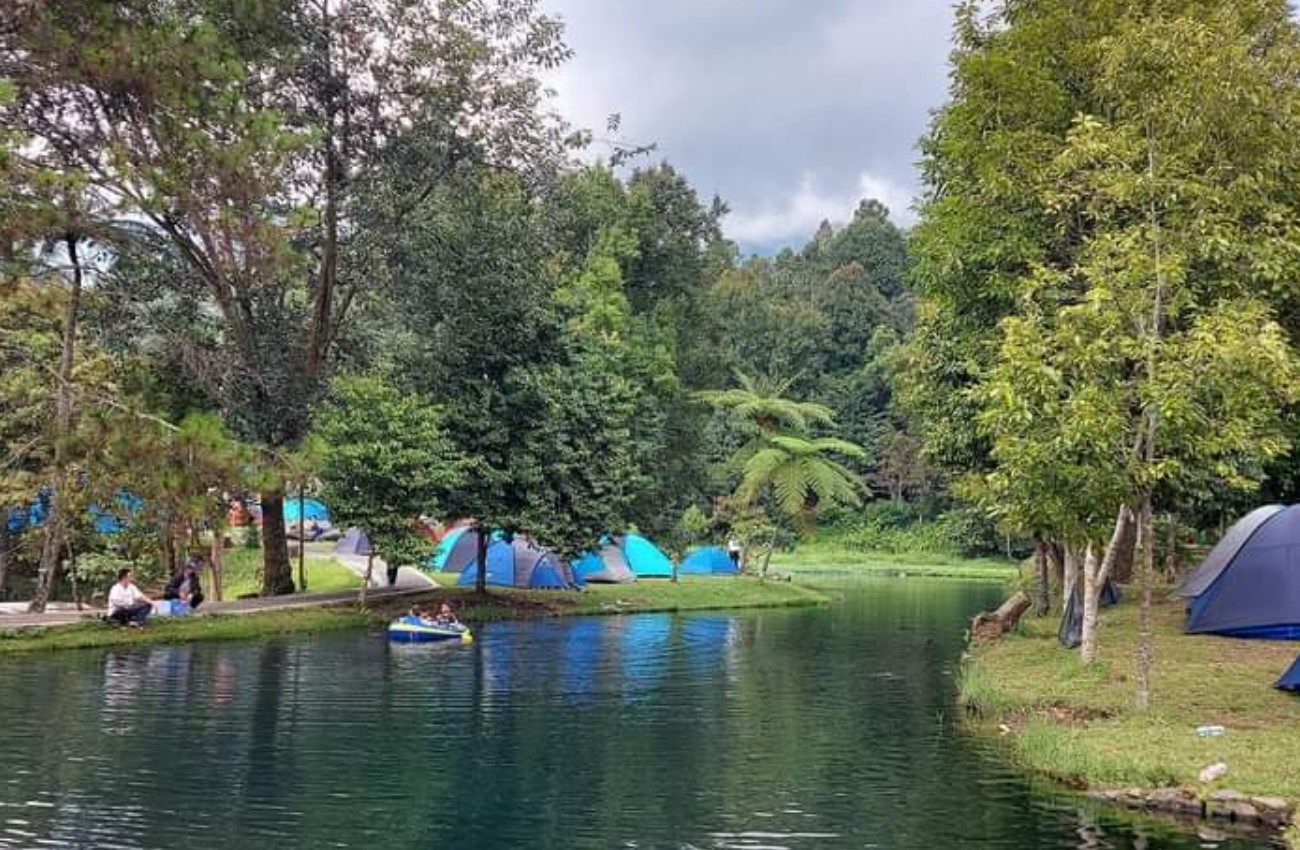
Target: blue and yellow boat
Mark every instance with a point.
(411, 629)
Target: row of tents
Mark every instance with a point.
(522, 562)
(116, 518)
(1248, 585)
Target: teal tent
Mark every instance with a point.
(645, 558)
(309, 510)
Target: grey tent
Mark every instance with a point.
(354, 542)
(608, 566)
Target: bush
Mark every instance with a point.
(95, 572)
(897, 528)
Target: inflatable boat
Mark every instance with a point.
(410, 629)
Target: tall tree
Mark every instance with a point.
(1104, 349)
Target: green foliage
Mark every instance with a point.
(795, 469)
(95, 572)
(1095, 275)
(386, 462)
(896, 528)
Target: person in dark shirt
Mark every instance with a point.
(185, 585)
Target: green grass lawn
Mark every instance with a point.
(832, 557)
(242, 573)
(1080, 725)
(184, 629)
(690, 594)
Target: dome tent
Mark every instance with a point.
(645, 558)
(353, 542)
(608, 566)
(1249, 584)
(708, 561)
(309, 510)
(517, 563)
(1290, 680)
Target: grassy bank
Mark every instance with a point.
(690, 595)
(184, 630)
(833, 557)
(1079, 725)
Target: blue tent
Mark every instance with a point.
(309, 509)
(1290, 680)
(608, 566)
(119, 517)
(708, 561)
(1249, 584)
(457, 548)
(644, 557)
(519, 563)
(109, 521)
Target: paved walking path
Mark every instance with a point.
(13, 615)
(408, 578)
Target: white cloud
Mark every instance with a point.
(797, 216)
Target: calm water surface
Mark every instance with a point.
(828, 728)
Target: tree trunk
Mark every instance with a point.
(214, 562)
(1146, 567)
(1042, 591)
(4, 554)
(370, 571)
(72, 576)
(1095, 573)
(1091, 596)
(277, 572)
(167, 550)
(323, 306)
(302, 540)
(480, 580)
(1171, 549)
(1056, 561)
(1126, 548)
(1069, 573)
(988, 628)
(55, 524)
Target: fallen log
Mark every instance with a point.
(988, 627)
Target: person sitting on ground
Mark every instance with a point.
(185, 585)
(127, 606)
(445, 616)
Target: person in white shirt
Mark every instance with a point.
(127, 606)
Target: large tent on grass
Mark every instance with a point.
(708, 561)
(1249, 584)
(608, 566)
(1290, 680)
(645, 558)
(518, 563)
(457, 547)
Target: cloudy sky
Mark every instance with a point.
(791, 110)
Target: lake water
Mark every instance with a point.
(815, 728)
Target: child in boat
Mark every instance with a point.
(445, 616)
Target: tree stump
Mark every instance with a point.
(989, 628)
